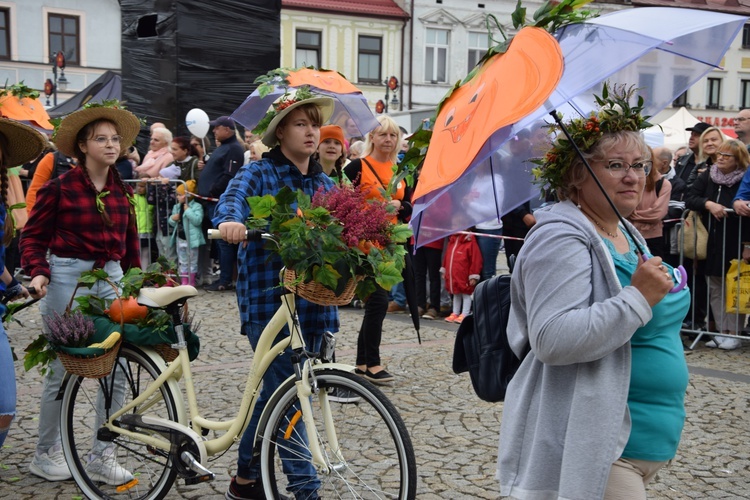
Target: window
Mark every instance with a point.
(680, 84)
(436, 55)
(64, 36)
(714, 93)
(745, 97)
(746, 36)
(478, 45)
(370, 54)
(4, 34)
(308, 48)
(646, 85)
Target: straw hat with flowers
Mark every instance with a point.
(127, 123)
(285, 105)
(24, 143)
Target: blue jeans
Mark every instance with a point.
(489, 248)
(398, 294)
(298, 471)
(8, 385)
(65, 272)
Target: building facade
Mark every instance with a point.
(32, 32)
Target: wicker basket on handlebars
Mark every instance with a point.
(318, 294)
(91, 366)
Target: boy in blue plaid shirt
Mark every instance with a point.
(295, 133)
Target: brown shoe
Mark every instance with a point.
(430, 314)
(393, 307)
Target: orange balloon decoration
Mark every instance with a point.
(505, 89)
(322, 79)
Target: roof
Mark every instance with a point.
(367, 8)
(740, 7)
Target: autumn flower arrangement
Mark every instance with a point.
(333, 237)
(615, 114)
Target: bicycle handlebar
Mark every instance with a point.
(250, 235)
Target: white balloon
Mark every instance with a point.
(197, 122)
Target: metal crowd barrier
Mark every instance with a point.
(696, 272)
(157, 193)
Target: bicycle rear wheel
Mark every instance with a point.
(116, 466)
(374, 457)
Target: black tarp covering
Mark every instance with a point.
(184, 54)
(106, 87)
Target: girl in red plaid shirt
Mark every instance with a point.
(86, 221)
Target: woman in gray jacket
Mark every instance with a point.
(597, 406)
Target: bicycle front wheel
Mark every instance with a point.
(116, 465)
(364, 441)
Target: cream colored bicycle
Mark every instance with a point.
(358, 450)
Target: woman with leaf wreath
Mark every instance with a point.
(86, 220)
(18, 144)
(596, 408)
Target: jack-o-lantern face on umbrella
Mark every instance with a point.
(505, 89)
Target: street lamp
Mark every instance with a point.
(391, 85)
(51, 86)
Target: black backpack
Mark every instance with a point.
(482, 346)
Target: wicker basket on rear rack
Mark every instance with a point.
(318, 294)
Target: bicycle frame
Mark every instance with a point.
(265, 353)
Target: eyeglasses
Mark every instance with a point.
(619, 169)
(103, 141)
(740, 119)
(726, 155)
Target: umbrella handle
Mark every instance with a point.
(678, 273)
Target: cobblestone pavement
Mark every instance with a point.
(454, 433)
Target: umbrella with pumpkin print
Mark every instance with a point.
(477, 165)
(349, 101)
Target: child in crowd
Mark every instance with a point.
(462, 265)
(144, 218)
(187, 217)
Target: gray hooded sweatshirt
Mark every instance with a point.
(565, 416)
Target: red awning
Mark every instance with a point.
(376, 8)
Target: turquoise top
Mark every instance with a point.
(658, 375)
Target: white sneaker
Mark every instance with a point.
(729, 344)
(104, 468)
(715, 342)
(51, 465)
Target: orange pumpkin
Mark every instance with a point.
(129, 309)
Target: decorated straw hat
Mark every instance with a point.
(24, 142)
(127, 123)
(285, 105)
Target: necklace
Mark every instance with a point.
(599, 225)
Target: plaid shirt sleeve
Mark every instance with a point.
(39, 229)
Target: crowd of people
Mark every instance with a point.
(93, 202)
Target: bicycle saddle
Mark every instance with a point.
(162, 297)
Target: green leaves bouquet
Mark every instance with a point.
(333, 237)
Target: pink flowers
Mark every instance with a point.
(362, 220)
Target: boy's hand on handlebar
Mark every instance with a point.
(233, 232)
(39, 283)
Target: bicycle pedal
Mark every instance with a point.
(199, 479)
(202, 474)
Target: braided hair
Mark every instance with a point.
(85, 133)
(9, 226)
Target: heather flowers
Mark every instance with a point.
(69, 330)
(334, 236)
